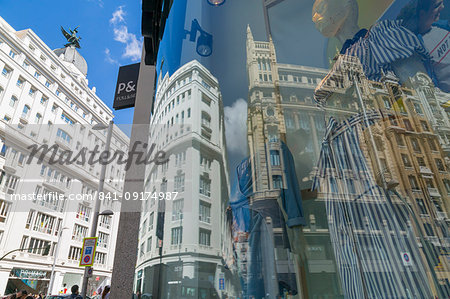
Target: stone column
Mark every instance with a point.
(127, 235)
(4, 276)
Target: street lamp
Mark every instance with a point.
(216, 2)
(101, 183)
(204, 45)
(52, 276)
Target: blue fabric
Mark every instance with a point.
(366, 262)
(387, 42)
(241, 190)
(291, 196)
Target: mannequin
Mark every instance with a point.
(337, 20)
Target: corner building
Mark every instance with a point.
(45, 99)
(188, 124)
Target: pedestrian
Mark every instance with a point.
(21, 294)
(75, 292)
(105, 293)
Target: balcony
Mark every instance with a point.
(24, 118)
(441, 215)
(206, 124)
(434, 192)
(55, 183)
(425, 170)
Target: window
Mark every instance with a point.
(418, 108)
(406, 161)
(20, 82)
(58, 92)
(205, 186)
(408, 125)
(177, 209)
(421, 205)
(74, 253)
(177, 236)
(7, 118)
(274, 158)
(100, 258)
(32, 92)
(103, 239)
(413, 182)
(424, 126)
(421, 161)
(25, 110)
(79, 232)
(205, 162)
(180, 158)
(179, 183)
(44, 100)
(432, 144)
(63, 135)
(440, 166)
(4, 209)
(6, 71)
(204, 237)
(12, 54)
(38, 246)
(10, 182)
(38, 118)
(25, 65)
(387, 103)
(47, 84)
(415, 145)
(13, 101)
(204, 212)
(67, 119)
(149, 244)
(189, 113)
(37, 75)
(83, 212)
(277, 182)
(152, 217)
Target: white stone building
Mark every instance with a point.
(45, 99)
(188, 124)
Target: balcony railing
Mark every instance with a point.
(55, 183)
(434, 192)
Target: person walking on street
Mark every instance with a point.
(75, 292)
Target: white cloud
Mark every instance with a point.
(118, 15)
(108, 57)
(236, 127)
(133, 45)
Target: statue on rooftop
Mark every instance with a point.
(72, 38)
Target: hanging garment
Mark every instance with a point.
(370, 235)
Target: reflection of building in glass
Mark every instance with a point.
(403, 151)
(188, 124)
(281, 108)
(45, 99)
(432, 100)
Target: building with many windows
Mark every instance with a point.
(45, 100)
(190, 190)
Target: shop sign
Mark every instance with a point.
(125, 95)
(29, 274)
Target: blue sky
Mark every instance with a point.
(110, 32)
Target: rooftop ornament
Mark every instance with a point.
(72, 38)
